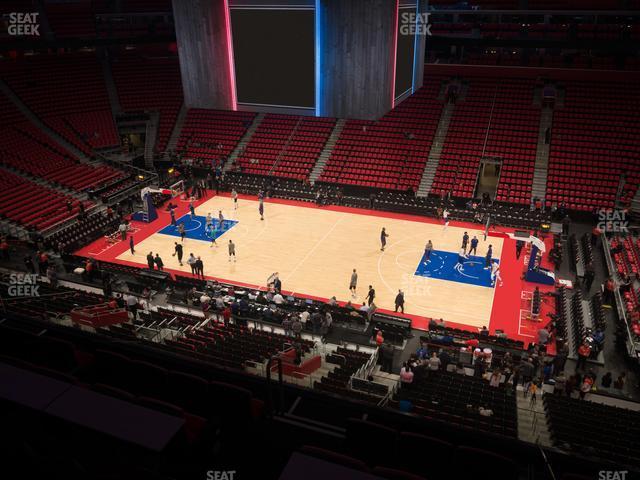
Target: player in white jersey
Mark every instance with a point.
(495, 273)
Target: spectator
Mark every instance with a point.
(494, 380)
(286, 325)
(52, 275)
(618, 385)
(386, 357)
(478, 367)
(158, 261)
(560, 385)
(316, 321)
(406, 375)
(191, 261)
(445, 359)
(543, 336)
(226, 315)
(527, 369)
(4, 249)
(609, 288)
(132, 306)
(533, 391)
(606, 380)
(296, 327)
(199, 268)
(400, 301)
(585, 388)
(304, 317)
(584, 352)
(28, 262)
(589, 276)
(423, 351)
(434, 362)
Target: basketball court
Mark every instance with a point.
(314, 249)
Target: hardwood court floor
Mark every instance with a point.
(314, 250)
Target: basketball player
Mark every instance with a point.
(445, 217)
(462, 256)
(234, 195)
(181, 231)
(212, 235)
(261, 208)
(192, 208)
(465, 242)
(474, 246)
(221, 219)
(371, 295)
(232, 250)
(427, 252)
(487, 258)
(353, 283)
(178, 252)
(383, 239)
(209, 220)
(495, 273)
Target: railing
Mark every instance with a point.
(62, 224)
(271, 407)
(631, 348)
(546, 462)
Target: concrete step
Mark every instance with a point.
(325, 154)
(243, 141)
(177, 128)
(433, 159)
(112, 91)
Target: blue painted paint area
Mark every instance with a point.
(444, 266)
(195, 228)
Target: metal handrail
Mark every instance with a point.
(631, 350)
(269, 386)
